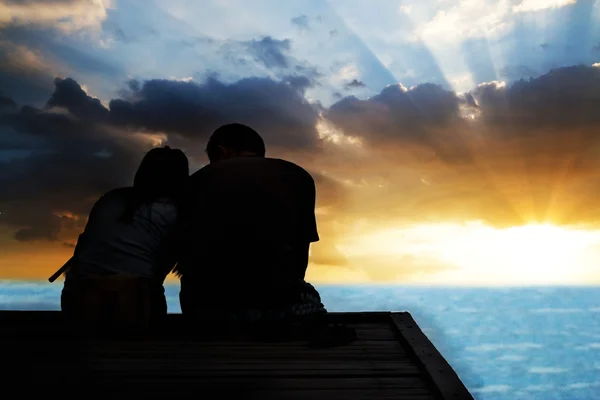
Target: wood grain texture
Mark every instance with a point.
(444, 378)
(176, 359)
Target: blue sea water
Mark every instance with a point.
(538, 343)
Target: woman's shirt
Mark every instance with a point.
(145, 246)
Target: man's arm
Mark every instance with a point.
(300, 255)
(308, 222)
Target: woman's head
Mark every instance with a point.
(162, 173)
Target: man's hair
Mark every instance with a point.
(237, 137)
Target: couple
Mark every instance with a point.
(237, 233)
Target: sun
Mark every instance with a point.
(477, 253)
(536, 253)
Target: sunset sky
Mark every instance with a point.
(452, 142)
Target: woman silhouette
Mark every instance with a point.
(129, 246)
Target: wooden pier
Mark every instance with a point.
(391, 359)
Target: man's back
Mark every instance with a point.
(251, 220)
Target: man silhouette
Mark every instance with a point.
(250, 224)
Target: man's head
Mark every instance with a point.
(234, 140)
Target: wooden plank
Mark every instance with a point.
(178, 365)
(341, 395)
(248, 392)
(231, 373)
(51, 316)
(439, 371)
(24, 332)
(239, 344)
(195, 350)
(59, 372)
(250, 347)
(415, 384)
(370, 325)
(315, 358)
(388, 346)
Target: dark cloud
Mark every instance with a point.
(271, 52)
(70, 95)
(49, 191)
(276, 109)
(31, 58)
(54, 47)
(506, 154)
(7, 104)
(561, 100)
(398, 113)
(24, 75)
(354, 84)
(76, 149)
(301, 22)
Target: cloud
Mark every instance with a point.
(516, 72)
(538, 5)
(120, 35)
(563, 99)
(77, 149)
(458, 20)
(49, 192)
(353, 84)
(465, 19)
(64, 15)
(7, 104)
(68, 94)
(301, 22)
(503, 154)
(194, 110)
(30, 60)
(269, 51)
(262, 57)
(398, 113)
(25, 72)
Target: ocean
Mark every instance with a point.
(535, 343)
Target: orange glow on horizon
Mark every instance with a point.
(470, 253)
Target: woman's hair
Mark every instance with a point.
(162, 174)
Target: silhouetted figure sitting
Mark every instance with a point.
(248, 234)
(128, 247)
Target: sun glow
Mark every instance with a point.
(475, 253)
(532, 253)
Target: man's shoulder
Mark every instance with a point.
(249, 164)
(295, 172)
